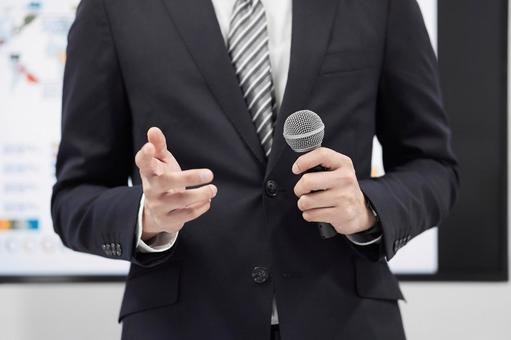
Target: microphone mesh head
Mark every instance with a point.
(304, 131)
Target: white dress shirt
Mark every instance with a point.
(278, 16)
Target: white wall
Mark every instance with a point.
(440, 311)
(60, 312)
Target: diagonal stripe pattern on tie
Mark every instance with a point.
(248, 48)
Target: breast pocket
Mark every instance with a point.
(338, 62)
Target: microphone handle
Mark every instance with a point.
(326, 230)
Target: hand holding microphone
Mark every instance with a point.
(328, 192)
(169, 202)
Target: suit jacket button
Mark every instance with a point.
(107, 249)
(118, 249)
(260, 275)
(271, 188)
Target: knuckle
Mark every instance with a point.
(346, 179)
(345, 158)
(323, 152)
(350, 179)
(179, 196)
(302, 204)
(298, 163)
(349, 161)
(338, 175)
(206, 192)
(307, 216)
(297, 190)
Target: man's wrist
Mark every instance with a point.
(159, 242)
(374, 233)
(145, 222)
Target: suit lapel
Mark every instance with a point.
(197, 24)
(312, 23)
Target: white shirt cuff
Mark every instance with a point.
(158, 244)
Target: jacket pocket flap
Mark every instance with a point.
(156, 288)
(375, 280)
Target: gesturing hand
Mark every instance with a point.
(168, 203)
(331, 196)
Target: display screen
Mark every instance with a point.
(33, 37)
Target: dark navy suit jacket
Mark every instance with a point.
(366, 66)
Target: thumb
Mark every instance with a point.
(156, 137)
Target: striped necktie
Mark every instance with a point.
(249, 52)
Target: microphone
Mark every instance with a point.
(304, 131)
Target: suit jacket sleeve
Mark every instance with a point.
(421, 180)
(92, 205)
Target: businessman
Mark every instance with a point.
(187, 99)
